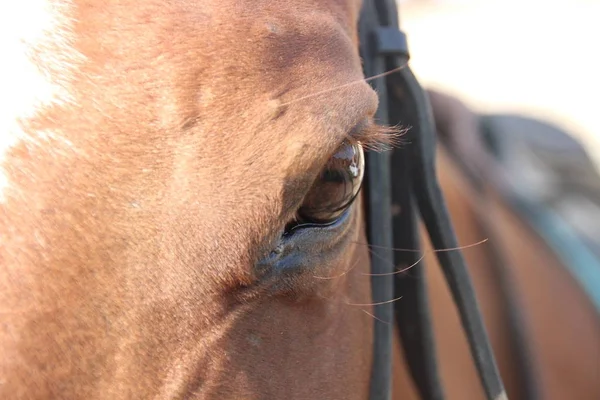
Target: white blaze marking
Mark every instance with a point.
(32, 27)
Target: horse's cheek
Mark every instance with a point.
(301, 349)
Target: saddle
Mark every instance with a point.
(540, 171)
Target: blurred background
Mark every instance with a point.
(538, 58)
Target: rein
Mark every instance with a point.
(412, 188)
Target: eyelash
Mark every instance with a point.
(379, 137)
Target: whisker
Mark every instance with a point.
(371, 315)
(309, 96)
(418, 250)
(340, 275)
(369, 246)
(399, 271)
(375, 304)
(355, 264)
(382, 258)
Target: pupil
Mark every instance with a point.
(336, 187)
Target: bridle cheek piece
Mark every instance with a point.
(406, 177)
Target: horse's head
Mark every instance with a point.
(166, 228)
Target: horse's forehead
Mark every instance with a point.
(252, 46)
(345, 11)
(287, 50)
(238, 54)
(37, 44)
(277, 37)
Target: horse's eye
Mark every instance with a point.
(335, 188)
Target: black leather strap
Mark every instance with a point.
(413, 181)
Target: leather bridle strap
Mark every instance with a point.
(383, 48)
(435, 216)
(378, 182)
(461, 133)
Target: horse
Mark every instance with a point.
(169, 221)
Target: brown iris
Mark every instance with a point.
(335, 188)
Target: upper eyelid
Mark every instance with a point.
(368, 134)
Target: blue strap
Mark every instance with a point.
(581, 262)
